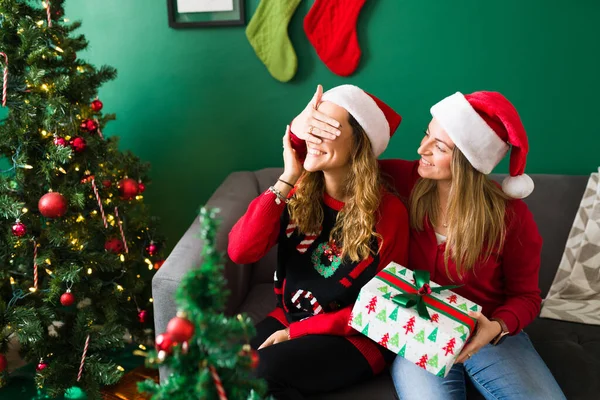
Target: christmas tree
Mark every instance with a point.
(208, 352)
(384, 340)
(77, 245)
(372, 306)
(449, 347)
(410, 324)
(422, 362)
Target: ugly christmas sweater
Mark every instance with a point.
(506, 285)
(314, 287)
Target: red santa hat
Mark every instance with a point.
(378, 120)
(484, 125)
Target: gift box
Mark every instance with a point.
(417, 319)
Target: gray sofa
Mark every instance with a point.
(571, 350)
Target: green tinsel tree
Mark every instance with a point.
(67, 272)
(201, 344)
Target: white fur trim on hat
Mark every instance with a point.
(518, 187)
(366, 112)
(470, 133)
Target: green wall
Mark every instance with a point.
(198, 104)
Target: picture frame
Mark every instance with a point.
(197, 13)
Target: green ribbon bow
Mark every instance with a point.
(422, 289)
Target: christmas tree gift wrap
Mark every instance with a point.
(417, 319)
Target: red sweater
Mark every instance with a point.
(315, 292)
(506, 286)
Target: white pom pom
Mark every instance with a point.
(518, 187)
(53, 329)
(84, 303)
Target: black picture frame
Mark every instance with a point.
(206, 19)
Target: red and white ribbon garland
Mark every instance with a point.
(48, 13)
(121, 229)
(85, 348)
(218, 383)
(35, 266)
(99, 203)
(4, 79)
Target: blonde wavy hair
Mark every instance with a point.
(354, 227)
(475, 214)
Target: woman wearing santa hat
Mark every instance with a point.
(335, 227)
(467, 230)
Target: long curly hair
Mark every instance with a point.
(354, 227)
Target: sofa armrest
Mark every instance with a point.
(232, 198)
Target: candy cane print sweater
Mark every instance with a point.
(315, 289)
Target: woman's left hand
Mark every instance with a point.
(277, 337)
(485, 331)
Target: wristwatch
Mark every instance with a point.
(502, 335)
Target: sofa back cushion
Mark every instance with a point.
(553, 204)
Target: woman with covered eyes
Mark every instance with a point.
(336, 227)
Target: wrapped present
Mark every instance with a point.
(417, 319)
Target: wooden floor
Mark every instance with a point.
(126, 389)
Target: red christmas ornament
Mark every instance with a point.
(88, 125)
(78, 144)
(141, 187)
(180, 329)
(128, 188)
(254, 359)
(164, 342)
(91, 125)
(96, 105)
(60, 141)
(19, 229)
(67, 299)
(106, 183)
(3, 363)
(41, 366)
(142, 316)
(158, 264)
(151, 248)
(114, 245)
(52, 205)
(247, 351)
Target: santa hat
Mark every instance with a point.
(377, 119)
(484, 125)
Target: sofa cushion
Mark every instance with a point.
(553, 204)
(572, 353)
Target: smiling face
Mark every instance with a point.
(436, 153)
(332, 155)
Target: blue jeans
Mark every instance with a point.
(513, 370)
